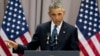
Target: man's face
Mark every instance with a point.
(56, 15)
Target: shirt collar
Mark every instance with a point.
(58, 27)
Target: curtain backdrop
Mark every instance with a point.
(36, 11)
(1, 10)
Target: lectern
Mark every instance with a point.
(50, 53)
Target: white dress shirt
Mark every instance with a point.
(58, 27)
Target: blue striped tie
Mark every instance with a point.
(54, 33)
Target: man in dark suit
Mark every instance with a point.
(53, 35)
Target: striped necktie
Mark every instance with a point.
(54, 34)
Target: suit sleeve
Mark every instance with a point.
(33, 45)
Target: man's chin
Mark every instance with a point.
(57, 23)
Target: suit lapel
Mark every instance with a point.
(63, 32)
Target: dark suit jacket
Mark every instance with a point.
(67, 38)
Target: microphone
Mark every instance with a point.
(48, 38)
(56, 39)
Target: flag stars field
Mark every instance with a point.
(88, 24)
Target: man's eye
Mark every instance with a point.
(53, 14)
(59, 14)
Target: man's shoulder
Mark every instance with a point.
(67, 25)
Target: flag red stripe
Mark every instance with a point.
(98, 36)
(23, 39)
(93, 47)
(83, 49)
(4, 47)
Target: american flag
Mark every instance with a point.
(14, 27)
(88, 24)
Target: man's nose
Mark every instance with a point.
(56, 17)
